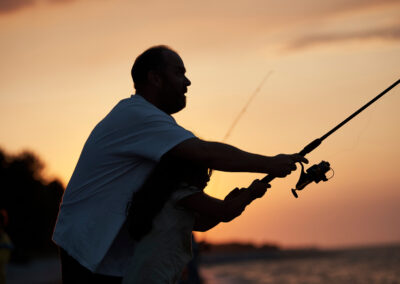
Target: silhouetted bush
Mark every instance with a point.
(31, 202)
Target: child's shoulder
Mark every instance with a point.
(184, 190)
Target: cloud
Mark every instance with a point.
(354, 5)
(8, 6)
(11, 6)
(311, 40)
(60, 1)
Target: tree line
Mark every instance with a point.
(31, 201)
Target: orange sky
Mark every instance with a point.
(66, 63)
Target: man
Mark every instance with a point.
(120, 153)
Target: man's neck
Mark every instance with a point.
(153, 99)
(149, 96)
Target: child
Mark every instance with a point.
(164, 212)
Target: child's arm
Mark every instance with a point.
(211, 211)
(204, 222)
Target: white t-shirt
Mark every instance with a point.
(118, 156)
(162, 254)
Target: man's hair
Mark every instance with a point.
(150, 59)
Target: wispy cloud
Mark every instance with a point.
(11, 6)
(355, 5)
(311, 40)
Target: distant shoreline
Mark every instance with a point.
(236, 251)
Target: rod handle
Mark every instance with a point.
(310, 147)
(268, 178)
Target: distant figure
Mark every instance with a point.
(165, 211)
(6, 246)
(121, 152)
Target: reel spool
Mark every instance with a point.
(315, 173)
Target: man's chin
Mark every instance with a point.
(182, 106)
(182, 103)
(177, 108)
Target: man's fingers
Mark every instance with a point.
(299, 158)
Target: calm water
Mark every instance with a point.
(368, 265)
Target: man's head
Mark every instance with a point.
(159, 76)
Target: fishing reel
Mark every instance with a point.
(315, 173)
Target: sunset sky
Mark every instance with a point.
(65, 64)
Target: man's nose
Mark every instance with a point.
(188, 83)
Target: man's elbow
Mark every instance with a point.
(192, 149)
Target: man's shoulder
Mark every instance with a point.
(134, 113)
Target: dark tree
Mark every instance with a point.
(31, 202)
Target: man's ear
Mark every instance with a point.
(154, 78)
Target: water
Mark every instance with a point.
(354, 266)
(368, 265)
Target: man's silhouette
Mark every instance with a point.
(121, 152)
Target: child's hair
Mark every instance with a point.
(148, 201)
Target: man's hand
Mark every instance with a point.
(283, 164)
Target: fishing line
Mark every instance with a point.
(316, 173)
(356, 140)
(243, 110)
(395, 92)
(237, 119)
(215, 180)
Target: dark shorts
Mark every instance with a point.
(74, 273)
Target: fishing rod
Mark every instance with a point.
(316, 173)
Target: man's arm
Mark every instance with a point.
(224, 157)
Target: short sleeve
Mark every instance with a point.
(137, 128)
(158, 135)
